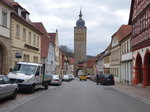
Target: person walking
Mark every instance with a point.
(97, 78)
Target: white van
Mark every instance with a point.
(29, 76)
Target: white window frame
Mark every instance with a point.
(24, 34)
(17, 30)
(4, 18)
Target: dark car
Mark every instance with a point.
(105, 79)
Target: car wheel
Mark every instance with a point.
(113, 83)
(14, 94)
(32, 89)
(46, 86)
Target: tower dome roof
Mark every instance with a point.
(80, 22)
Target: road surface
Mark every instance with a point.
(82, 96)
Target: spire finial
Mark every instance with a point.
(80, 15)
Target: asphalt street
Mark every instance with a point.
(83, 96)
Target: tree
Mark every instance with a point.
(68, 52)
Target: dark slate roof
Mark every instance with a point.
(80, 22)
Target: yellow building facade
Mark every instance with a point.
(25, 39)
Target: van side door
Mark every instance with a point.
(37, 76)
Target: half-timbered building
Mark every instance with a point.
(140, 42)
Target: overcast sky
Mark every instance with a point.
(102, 19)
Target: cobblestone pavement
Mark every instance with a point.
(135, 91)
(8, 104)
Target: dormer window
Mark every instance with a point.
(114, 41)
(27, 16)
(19, 11)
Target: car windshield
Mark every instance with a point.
(26, 69)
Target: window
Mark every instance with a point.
(19, 11)
(17, 31)
(29, 37)
(38, 71)
(4, 18)
(24, 34)
(6, 79)
(35, 59)
(26, 58)
(38, 41)
(34, 40)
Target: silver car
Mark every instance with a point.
(56, 80)
(7, 89)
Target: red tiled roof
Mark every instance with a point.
(123, 32)
(7, 2)
(44, 39)
(52, 37)
(16, 4)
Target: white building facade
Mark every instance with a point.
(50, 60)
(100, 63)
(126, 61)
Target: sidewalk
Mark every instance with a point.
(135, 91)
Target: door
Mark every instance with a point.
(9, 88)
(3, 88)
(38, 77)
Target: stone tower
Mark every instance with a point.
(79, 44)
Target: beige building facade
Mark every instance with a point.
(115, 58)
(25, 38)
(107, 61)
(5, 49)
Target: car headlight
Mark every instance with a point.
(27, 81)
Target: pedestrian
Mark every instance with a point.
(97, 78)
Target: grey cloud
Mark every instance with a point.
(102, 17)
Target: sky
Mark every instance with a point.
(102, 19)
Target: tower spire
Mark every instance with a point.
(80, 15)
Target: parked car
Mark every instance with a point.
(29, 76)
(71, 77)
(105, 79)
(83, 77)
(66, 78)
(7, 89)
(56, 80)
